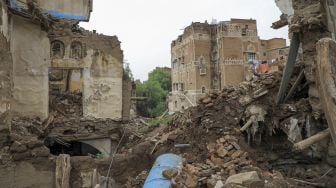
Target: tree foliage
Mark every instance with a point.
(155, 89)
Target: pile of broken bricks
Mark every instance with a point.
(228, 166)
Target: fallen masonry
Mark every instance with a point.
(260, 155)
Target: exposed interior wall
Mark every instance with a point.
(102, 97)
(31, 58)
(100, 63)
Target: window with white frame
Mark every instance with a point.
(251, 56)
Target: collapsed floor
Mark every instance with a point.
(213, 146)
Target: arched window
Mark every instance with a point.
(57, 49)
(203, 89)
(175, 104)
(76, 50)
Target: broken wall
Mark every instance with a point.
(6, 73)
(69, 10)
(31, 58)
(100, 60)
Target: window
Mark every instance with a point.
(76, 50)
(281, 52)
(57, 49)
(203, 89)
(202, 67)
(182, 86)
(251, 56)
(175, 104)
(264, 53)
(174, 64)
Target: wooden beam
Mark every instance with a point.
(304, 144)
(293, 52)
(325, 81)
(297, 82)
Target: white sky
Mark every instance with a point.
(147, 27)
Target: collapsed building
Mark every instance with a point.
(208, 57)
(63, 92)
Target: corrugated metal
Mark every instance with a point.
(79, 10)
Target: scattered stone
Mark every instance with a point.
(243, 177)
(170, 173)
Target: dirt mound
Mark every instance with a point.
(210, 139)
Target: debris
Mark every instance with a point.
(243, 177)
(170, 173)
(63, 168)
(304, 144)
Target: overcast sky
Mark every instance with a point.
(147, 27)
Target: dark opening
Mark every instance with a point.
(73, 149)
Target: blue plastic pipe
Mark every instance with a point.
(155, 178)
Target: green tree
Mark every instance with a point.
(155, 89)
(128, 75)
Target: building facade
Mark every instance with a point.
(207, 57)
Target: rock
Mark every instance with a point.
(211, 183)
(40, 152)
(254, 184)
(206, 100)
(221, 151)
(243, 177)
(219, 184)
(209, 105)
(34, 143)
(237, 154)
(18, 147)
(190, 169)
(206, 173)
(236, 145)
(211, 147)
(191, 181)
(217, 161)
(170, 173)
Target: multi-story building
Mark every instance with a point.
(207, 57)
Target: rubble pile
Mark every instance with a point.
(242, 130)
(66, 104)
(25, 141)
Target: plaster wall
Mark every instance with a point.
(103, 85)
(30, 50)
(73, 7)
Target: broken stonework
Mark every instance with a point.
(98, 61)
(243, 177)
